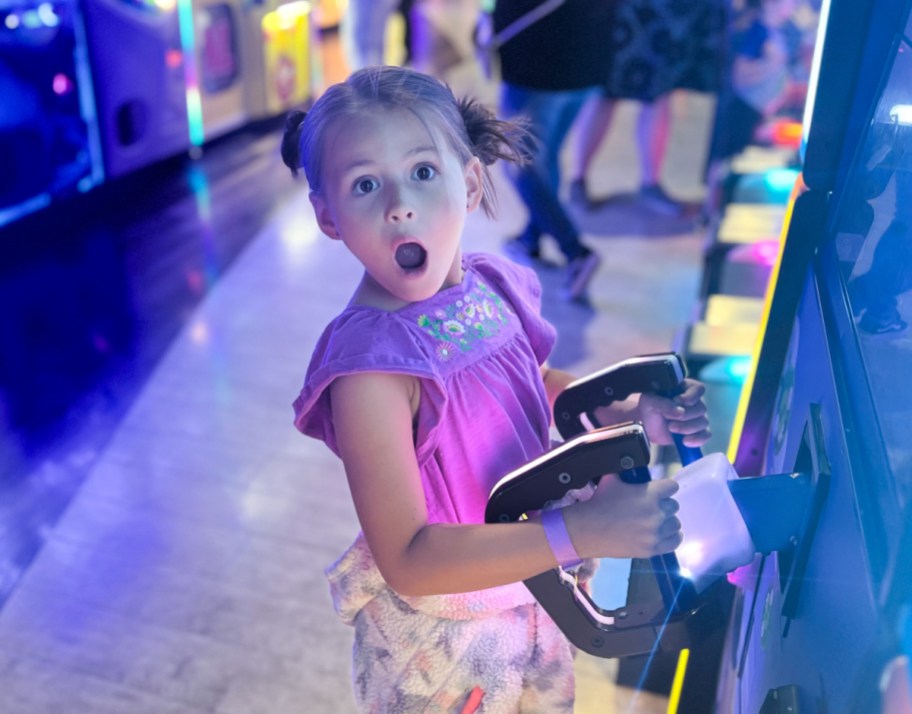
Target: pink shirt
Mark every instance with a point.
(476, 349)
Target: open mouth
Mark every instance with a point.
(410, 256)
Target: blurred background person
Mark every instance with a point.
(553, 56)
(655, 48)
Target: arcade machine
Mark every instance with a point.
(138, 67)
(49, 144)
(824, 625)
(278, 57)
(675, 604)
(819, 621)
(211, 36)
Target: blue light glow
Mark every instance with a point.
(781, 180)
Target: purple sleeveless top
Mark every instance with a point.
(476, 349)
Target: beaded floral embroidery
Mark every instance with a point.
(458, 327)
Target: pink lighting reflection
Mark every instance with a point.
(61, 84)
(765, 252)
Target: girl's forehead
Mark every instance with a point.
(384, 121)
(387, 128)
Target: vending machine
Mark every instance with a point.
(49, 144)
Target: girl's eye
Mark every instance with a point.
(365, 185)
(425, 172)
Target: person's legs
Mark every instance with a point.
(652, 139)
(550, 115)
(591, 126)
(365, 28)
(653, 128)
(886, 279)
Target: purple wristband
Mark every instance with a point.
(559, 538)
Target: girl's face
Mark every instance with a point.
(397, 196)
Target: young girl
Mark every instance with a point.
(431, 385)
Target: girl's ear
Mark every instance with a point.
(474, 176)
(324, 215)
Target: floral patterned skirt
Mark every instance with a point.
(494, 651)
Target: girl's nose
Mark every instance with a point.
(399, 208)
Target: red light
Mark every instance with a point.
(174, 58)
(787, 133)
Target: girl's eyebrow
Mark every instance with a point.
(365, 162)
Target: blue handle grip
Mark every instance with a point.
(687, 454)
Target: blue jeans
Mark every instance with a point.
(550, 115)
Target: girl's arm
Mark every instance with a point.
(372, 416)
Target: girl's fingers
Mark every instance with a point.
(698, 439)
(689, 426)
(693, 393)
(664, 488)
(668, 545)
(670, 527)
(669, 506)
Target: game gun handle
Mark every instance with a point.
(661, 374)
(573, 465)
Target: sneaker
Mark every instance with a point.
(579, 272)
(521, 253)
(655, 198)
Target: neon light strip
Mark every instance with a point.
(678, 683)
(191, 76)
(824, 16)
(87, 104)
(747, 387)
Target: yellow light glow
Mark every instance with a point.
(744, 400)
(674, 698)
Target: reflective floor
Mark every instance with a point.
(165, 528)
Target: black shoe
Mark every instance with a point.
(520, 252)
(579, 274)
(655, 198)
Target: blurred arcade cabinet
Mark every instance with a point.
(825, 625)
(277, 57)
(330, 63)
(216, 101)
(49, 145)
(138, 67)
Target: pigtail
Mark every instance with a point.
(291, 140)
(492, 138)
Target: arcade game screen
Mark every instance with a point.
(873, 244)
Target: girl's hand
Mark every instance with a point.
(624, 520)
(684, 414)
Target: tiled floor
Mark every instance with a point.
(186, 575)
